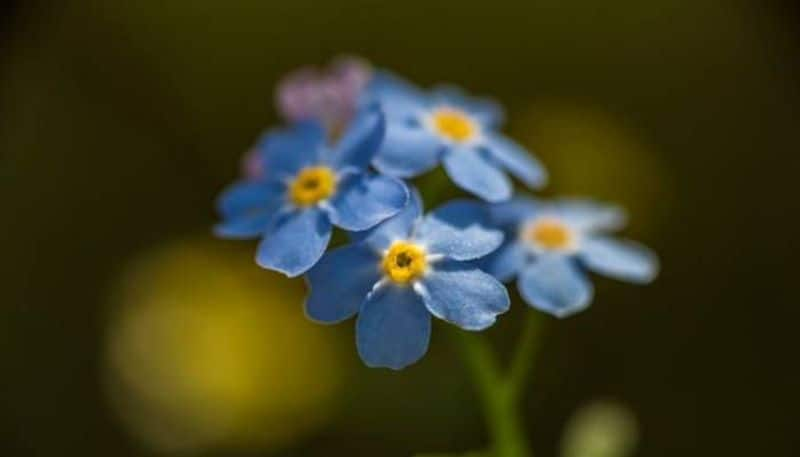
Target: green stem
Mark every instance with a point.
(500, 393)
(525, 354)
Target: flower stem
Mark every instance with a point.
(500, 392)
(525, 353)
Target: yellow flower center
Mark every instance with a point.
(312, 185)
(550, 234)
(404, 262)
(453, 124)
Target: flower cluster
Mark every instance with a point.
(355, 138)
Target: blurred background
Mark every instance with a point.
(127, 330)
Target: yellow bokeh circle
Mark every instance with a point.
(207, 350)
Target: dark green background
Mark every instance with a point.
(120, 121)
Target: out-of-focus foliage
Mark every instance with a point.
(601, 429)
(206, 350)
(589, 151)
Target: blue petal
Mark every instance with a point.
(397, 227)
(488, 112)
(340, 282)
(590, 215)
(463, 295)
(398, 97)
(512, 213)
(295, 242)
(475, 174)
(625, 260)
(246, 196)
(248, 208)
(361, 140)
(288, 150)
(506, 261)
(245, 226)
(363, 200)
(517, 160)
(408, 150)
(458, 230)
(393, 328)
(552, 284)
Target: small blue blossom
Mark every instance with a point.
(460, 132)
(399, 273)
(306, 187)
(549, 245)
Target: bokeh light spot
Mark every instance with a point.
(206, 350)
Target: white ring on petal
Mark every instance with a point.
(427, 119)
(575, 236)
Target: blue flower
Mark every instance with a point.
(446, 126)
(399, 273)
(306, 187)
(548, 246)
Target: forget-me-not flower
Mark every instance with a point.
(328, 95)
(306, 187)
(549, 245)
(404, 270)
(460, 132)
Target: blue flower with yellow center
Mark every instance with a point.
(549, 245)
(399, 273)
(308, 186)
(448, 127)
